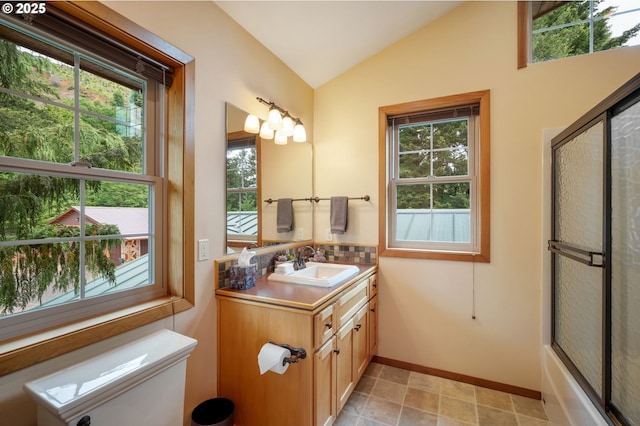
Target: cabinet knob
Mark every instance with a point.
(328, 324)
(372, 309)
(357, 327)
(85, 421)
(337, 351)
(374, 285)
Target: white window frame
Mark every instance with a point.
(245, 190)
(471, 178)
(478, 250)
(30, 321)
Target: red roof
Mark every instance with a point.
(129, 220)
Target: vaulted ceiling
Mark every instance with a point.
(320, 40)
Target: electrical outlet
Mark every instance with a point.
(300, 234)
(203, 250)
(329, 235)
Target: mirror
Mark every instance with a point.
(258, 170)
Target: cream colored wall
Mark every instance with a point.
(230, 66)
(287, 173)
(426, 306)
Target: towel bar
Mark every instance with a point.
(318, 199)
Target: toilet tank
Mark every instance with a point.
(141, 382)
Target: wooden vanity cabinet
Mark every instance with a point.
(351, 342)
(373, 315)
(270, 399)
(324, 395)
(336, 335)
(360, 342)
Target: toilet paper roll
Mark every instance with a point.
(271, 358)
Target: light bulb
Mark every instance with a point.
(299, 134)
(252, 124)
(287, 126)
(280, 138)
(274, 119)
(266, 132)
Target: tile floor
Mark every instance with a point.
(392, 396)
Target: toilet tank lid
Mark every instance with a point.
(108, 375)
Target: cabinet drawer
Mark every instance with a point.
(373, 285)
(348, 305)
(324, 326)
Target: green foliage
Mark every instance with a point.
(25, 199)
(438, 149)
(27, 272)
(40, 131)
(118, 194)
(575, 40)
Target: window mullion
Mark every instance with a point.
(591, 18)
(83, 247)
(76, 107)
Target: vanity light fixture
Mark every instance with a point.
(287, 125)
(252, 124)
(280, 138)
(279, 125)
(274, 119)
(266, 132)
(299, 133)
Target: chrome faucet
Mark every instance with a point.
(300, 262)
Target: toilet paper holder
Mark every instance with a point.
(296, 353)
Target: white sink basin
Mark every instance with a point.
(318, 274)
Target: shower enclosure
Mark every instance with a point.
(595, 249)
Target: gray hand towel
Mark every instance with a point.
(338, 214)
(284, 217)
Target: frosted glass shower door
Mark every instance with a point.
(577, 262)
(595, 259)
(625, 263)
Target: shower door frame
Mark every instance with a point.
(618, 101)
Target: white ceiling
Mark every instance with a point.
(320, 40)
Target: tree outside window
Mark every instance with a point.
(560, 29)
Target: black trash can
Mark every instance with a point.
(213, 412)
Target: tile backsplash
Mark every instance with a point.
(340, 253)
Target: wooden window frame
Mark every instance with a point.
(483, 187)
(26, 351)
(524, 33)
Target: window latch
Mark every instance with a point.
(85, 164)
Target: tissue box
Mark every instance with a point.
(243, 277)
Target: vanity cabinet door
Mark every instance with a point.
(373, 326)
(373, 285)
(344, 363)
(325, 384)
(323, 326)
(360, 342)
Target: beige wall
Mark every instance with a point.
(230, 66)
(426, 306)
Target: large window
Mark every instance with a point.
(85, 167)
(560, 29)
(436, 168)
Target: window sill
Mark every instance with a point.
(436, 255)
(30, 350)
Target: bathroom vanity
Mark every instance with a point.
(336, 327)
